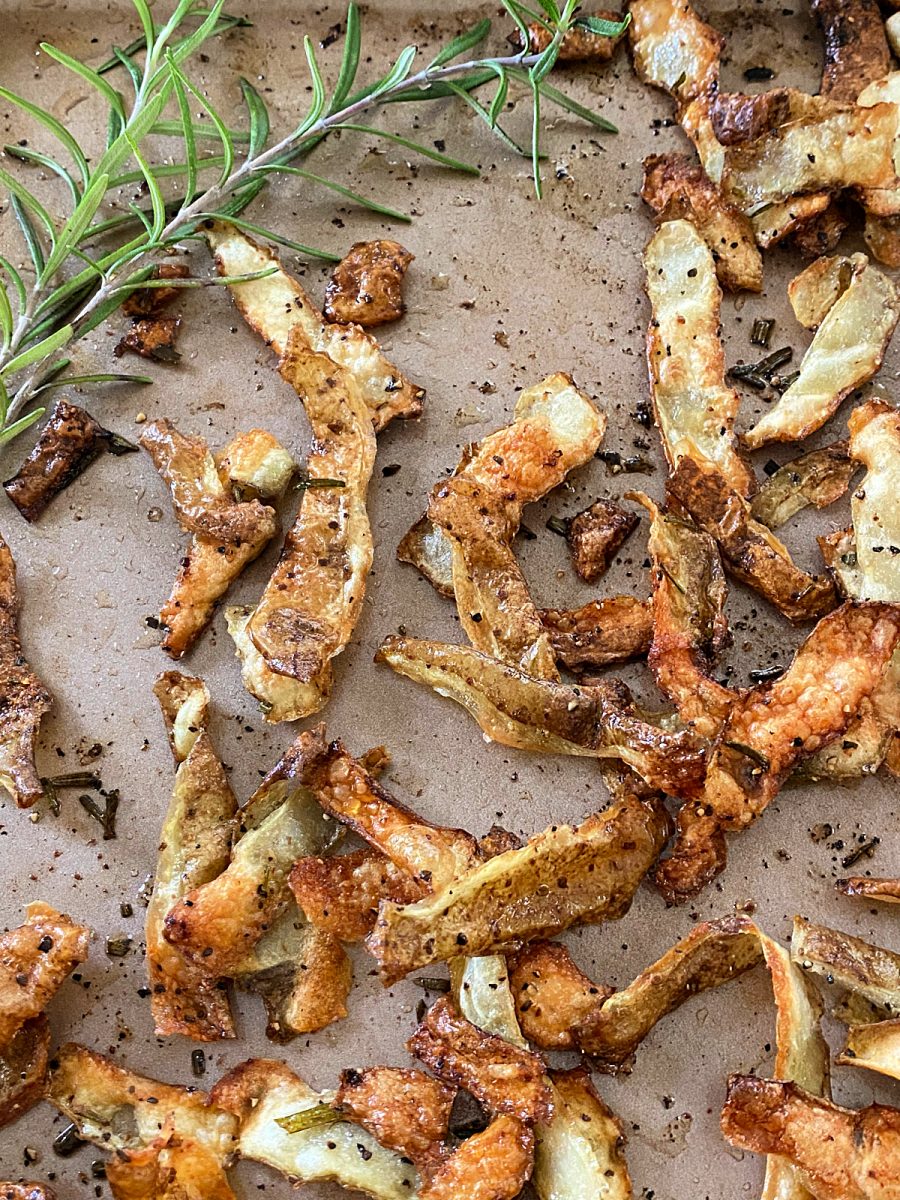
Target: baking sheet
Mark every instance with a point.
(562, 281)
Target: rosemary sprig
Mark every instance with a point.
(72, 286)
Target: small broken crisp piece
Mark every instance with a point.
(26, 1191)
(366, 286)
(256, 465)
(218, 924)
(563, 876)
(494, 1164)
(862, 968)
(150, 301)
(846, 352)
(270, 1103)
(171, 1168)
(152, 337)
(596, 535)
(428, 549)
(596, 720)
(817, 478)
(194, 848)
(820, 233)
(578, 44)
(277, 304)
(69, 442)
(35, 960)
(310, 606)
(601, 632)
(405, 1109)
(752, 553)
(841, 1154)
(695, 409)
(118, 1109)
(774, 726)
(24, 1059)
(774, 223)
(431, 855)
(552, 995)
(673, 49)
(503, 1077)
(690, 629)
(341, 894)
(556, 428)
(676, 188)
(24, 697)
(580, 1153)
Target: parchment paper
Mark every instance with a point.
(562, 281)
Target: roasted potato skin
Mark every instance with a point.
(552, 995)
(366, 286)
(405, 1109)
(25, 699)
(842, 1154)
(501, 1076)
(856, 48)
(615, 629)
(26, 1191)
(341, 894)
(24, 1059)
(152, 337)
(35, 960)
(492, 1165)
(751, 552)
(578, 45)
(677, 188)
(69, 442)
(596, 535)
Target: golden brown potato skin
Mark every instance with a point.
(26, 1191)
(843, 1154)
(774, 726)
(492, 1165)
(23, 1068)
(615, 629)
(152, 337)
(405, 1109)
(751, 551)
(596, 535)
(170, 1169)
(69, 442)
(501, 1076)
(856, 48)
(552, 995)
(886, 890)
(25, 699)
(675, 186)
(341, 894)
(35, 959)
(366, 286)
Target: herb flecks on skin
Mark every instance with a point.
(75, 285)
(309, 1118)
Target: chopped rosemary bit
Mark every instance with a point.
(118, 945)
(761, 333)
(105, 816)
(88, 779)
(558, 525)
(765, 674)
(633, 464)
(51, 796)
(306, 484)
(866, 850)
(118, 445)
(67, 1141)
(309, 1118)
(126, 909)
(431, 983)
(198, 1063)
